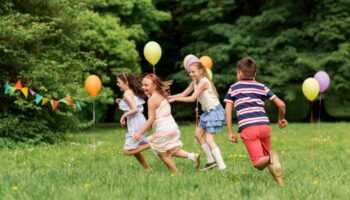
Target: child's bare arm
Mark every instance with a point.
(282, 122)
(228, 116)
(151, 116)
(201, 87)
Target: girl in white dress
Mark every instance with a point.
(132, 105)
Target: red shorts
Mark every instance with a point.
(257, 141)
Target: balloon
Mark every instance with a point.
(152, 52)
(323, 80)
(190, 61)
(93, 85)
(206, 61)
(186, 58)
(311, 88)
(210, 73)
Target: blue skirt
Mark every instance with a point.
(213, 120)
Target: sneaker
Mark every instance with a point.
(276, 167)
(210, 166)
(197, 160)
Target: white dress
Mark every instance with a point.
(135, 123)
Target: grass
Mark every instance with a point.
(315, 160)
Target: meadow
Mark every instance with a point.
(314, 157)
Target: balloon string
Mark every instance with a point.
(154, 70)
(197, 113)
(94, 119)
(319, 109)
(312, 118)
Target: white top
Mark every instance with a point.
(207, 98)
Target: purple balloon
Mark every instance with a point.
(191, 60)
(323, 80)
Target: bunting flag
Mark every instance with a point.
(25, 91)
(38, 98)
(44, 101)
(18, 85)
(63, 101)
(11, 88)
(32, 92)
(78, 106)
(7, 87)
(55, 104)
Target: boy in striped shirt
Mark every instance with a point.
(247, 97)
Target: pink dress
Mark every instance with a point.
(166, 136)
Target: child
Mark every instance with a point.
(212, 119)
(132, 105)
(247, 96)
(165, 141)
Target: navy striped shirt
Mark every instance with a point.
(248, 96)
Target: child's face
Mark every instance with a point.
(122, 85)
(148, 86)
(195, 73)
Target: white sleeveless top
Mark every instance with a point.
(208, 99)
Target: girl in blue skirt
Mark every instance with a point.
(213, 118)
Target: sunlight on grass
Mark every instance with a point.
(314, 156)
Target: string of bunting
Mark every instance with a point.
(10, 89)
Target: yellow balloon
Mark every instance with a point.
(311, 88)
(152, 52)
(186, 58)
(210, 73)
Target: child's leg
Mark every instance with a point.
(206, 149)
(136, 151)
(215, 150)
(142, 161)
(168, 162)
(191, 156)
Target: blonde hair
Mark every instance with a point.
(162, 87)
(200, 66)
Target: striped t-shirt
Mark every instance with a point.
(247, 96)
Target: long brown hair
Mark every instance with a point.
(162, 87)
(134, 83)
(200, 66)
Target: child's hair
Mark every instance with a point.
(163, 87)
(200, 66)
(248, 66)
(134, 83)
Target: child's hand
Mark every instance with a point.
(117, 100)
(137, 136)
(282, 123)
(171, 100)
(233, 138)
(122, 121)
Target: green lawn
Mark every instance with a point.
(315, 159)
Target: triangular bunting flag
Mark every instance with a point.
(38, 98)
(7, 87)
(55, 104)
(18, 85)
(78, 106)
(32, 92)
(44, 101)
(68, 99)
(63, 101)
(25, 91)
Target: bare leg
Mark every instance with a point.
(142, 161)
(181, 154)
(169, 163)
(199, 135)
(136, 151)
(262, 163)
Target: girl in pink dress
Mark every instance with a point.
(165, 140)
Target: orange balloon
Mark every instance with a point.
(93, 85)
(206, 61)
